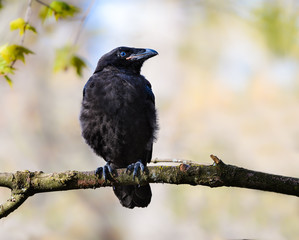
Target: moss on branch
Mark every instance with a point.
(24, 184)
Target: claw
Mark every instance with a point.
(134, 167)
(105, 171)
(130, 168)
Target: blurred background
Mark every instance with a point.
(226, 82)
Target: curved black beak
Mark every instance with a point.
(142, 54)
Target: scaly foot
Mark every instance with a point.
(135, 167)
(105, 171)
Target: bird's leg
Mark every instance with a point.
(135, 167)
(106, 171)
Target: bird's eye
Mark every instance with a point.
(122, 54)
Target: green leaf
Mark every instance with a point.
(43, 14)
(62, 10)
(279, 27)
(66, 58)
(20, 24)
(62, 58)
(5, 68)
(31, 28)
(14, 52)
(8, 80)
(78, 63)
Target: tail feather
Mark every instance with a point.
(133, 195)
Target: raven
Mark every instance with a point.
(118, 118)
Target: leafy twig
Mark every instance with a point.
(12, 56)
(27, 17)
(46, 5)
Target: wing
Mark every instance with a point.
(152, 119)
(148, 152)
(149, 92)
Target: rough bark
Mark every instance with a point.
(25, 184)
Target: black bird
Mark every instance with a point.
(118, 118)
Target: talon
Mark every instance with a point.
(142, 166)
(99, 171)
(109, 168)
(105, 171)
(135, 167)
(130, 168)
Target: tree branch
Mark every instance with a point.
(25, 184)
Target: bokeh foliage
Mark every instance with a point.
(279, 26)
(66, 57)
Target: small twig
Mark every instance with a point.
(46, 5)
(27, 17)
(12, 204)
(82, 22)
(173, 160)
(215, 159)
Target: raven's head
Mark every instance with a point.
(126, 59)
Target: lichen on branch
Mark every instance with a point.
(24, 184)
